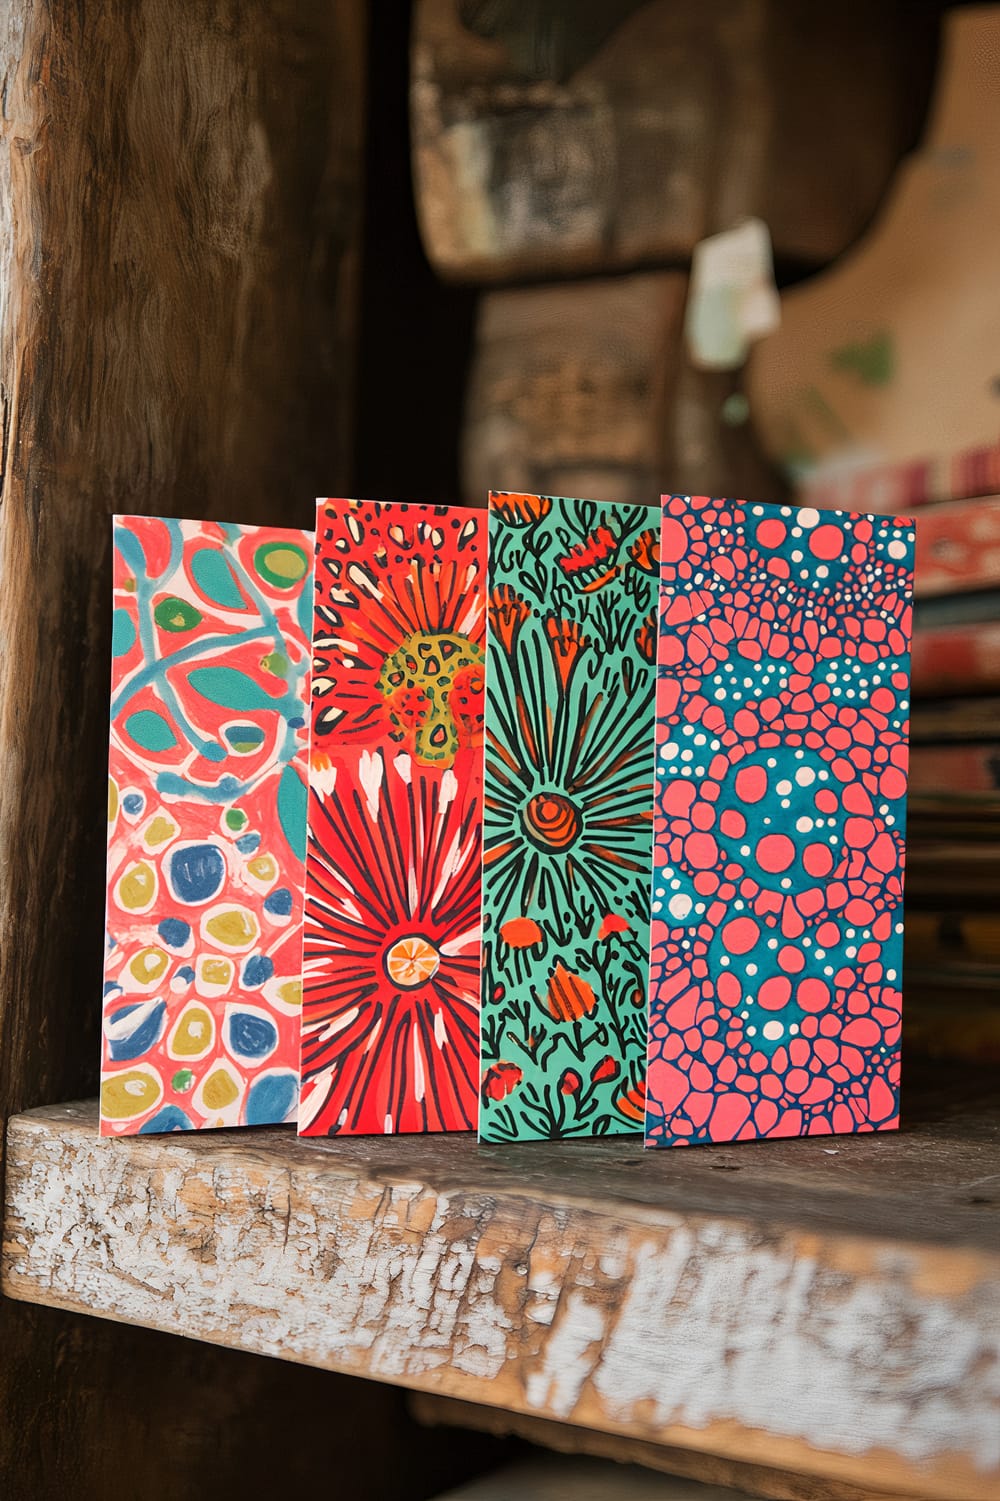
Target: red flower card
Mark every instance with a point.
(782, 719)
(390, 1026)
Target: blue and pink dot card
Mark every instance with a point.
(782, 709)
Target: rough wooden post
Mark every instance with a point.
(179, 195)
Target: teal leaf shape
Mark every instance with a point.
(292, 802)
(230, 689)
(214, 576)
(150, 730)
(122, 633)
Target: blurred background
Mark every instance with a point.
(550, 301)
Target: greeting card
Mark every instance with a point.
(782, 709)
(567, 816)
(390, 1033)
(206, 825)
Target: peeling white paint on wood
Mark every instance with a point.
(835, 1349)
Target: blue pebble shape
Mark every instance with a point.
(174, 932)
(185, 973)
(248, 843)
(145, 1034)
(249, 1036)
(133, 802)
(271, 1098)
(170, 1118)
(197, 873)
(257, 970)
(279, 902)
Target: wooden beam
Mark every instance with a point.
(179, 216)
(827, 1306)
(570, 136)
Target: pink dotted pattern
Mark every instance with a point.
(782, 721)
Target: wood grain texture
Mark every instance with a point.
(823, 1307)
(585, 388)
(179, 192)
(582, 135)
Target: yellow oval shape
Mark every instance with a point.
(148, 965)
(137, 887)
(286, 563)
(291, 992)
(234, 929)
(112, 799)
(193, 1036)
(220, 1090)
(128, 1094)
(264, 867)
(159, 831)
(216, 971)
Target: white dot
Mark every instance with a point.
(773, 1030)
(807, 516)
(897, 549)
(680, 906)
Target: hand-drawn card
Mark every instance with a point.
(206, 825)
(390, 1026)
(567, 834)
(782, 720)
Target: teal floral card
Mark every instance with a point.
(567, 824)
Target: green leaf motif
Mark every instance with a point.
(173, 614)
(230, 689)
(292, 803)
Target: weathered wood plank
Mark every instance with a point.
(179, 196)
(829, 1307)
(581, 135)
(586, 389)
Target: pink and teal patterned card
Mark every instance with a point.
(781, 763)
(206, 825)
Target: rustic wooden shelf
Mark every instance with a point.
(828, 1306)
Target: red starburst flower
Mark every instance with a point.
(390, 1025)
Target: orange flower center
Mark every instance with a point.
(411, 961)
(552, 820)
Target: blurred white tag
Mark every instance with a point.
(732, 299)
